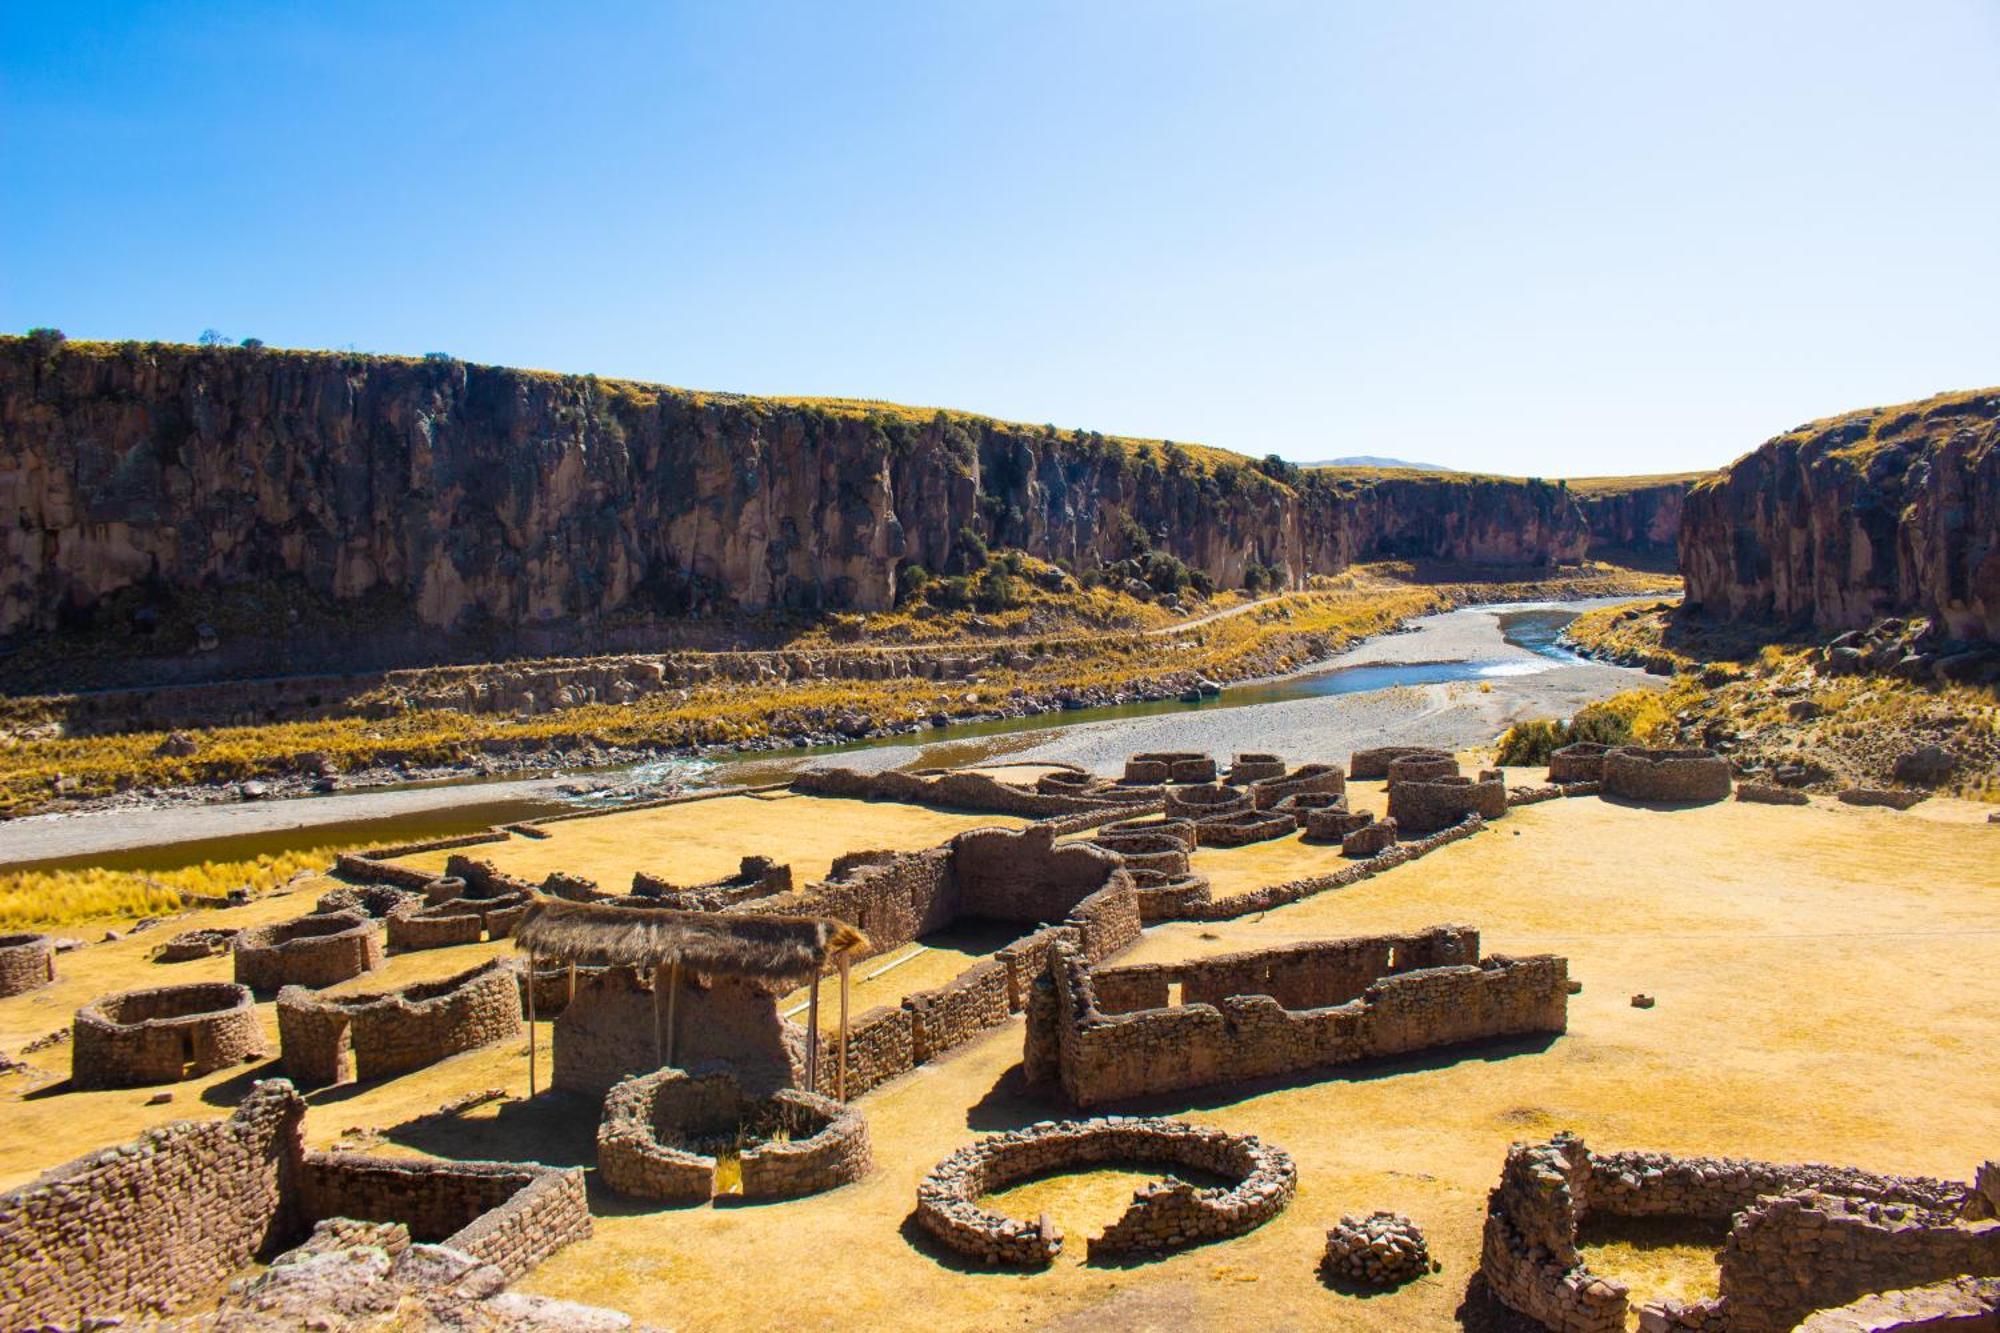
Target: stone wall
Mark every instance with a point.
(1424, 806)
(315, 951)
(1960, 1305)
(376, 900)
(1164, 1215)
(1205, 802)
(1801, 1238)
(947, 789)
(512, 1215)
(1579, 761)
(163, 1035)
(1254, 766)
(1677, 777)
(1108, 1034)
(327, 1039)
(26, 962)
(607, 1032)
(1371, 839)
(1008, 876)
(646, 1140)
(1243, 827)
(1374, 764)
(1163, 766)
(152, 1226)
(755, 877)
(1306, 779)
(1422, 766)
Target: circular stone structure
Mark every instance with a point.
(1170, 766)
(1579, 761)
(1240, 828)
(1423, 808)
(1180, 829)
(26, 963)
(163, 1035)
(1256, 768)
(376, 900)
(314, 951)
(1334, 823)
(1165, 1214)
(1427, 767)
(1379, 1251)
(1307, 779)
(1363, 765)
(1673, 777)
(1206, 801)
(1147, 851)
(189, 945)
(650, 1141)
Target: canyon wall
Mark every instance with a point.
(476, 499)
(1640, 519)
(1886, 511)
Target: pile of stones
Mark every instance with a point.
(1380, 1250)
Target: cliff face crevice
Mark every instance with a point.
(1888, 511)
(484, 497)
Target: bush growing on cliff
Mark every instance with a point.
(45, 340)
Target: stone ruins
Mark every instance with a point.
(1165, 1215)
(1677, 777)
(160, 1224)
(662, 1133)
(333, 1038)
(316, 950)
(1380, 1250)
(1106, 1034)
(163, 1035)
(26, 963)
(1800, 1238)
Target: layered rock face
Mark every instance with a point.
(1888, 511)
(1640, 519)
(484, 497)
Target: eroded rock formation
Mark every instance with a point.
(1886, 511)
(476, 498)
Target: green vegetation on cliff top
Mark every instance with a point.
(1857, 436)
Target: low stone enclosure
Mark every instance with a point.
(1170, 766)
(1678, 777)
(1165, 1215)
(1306, 779)
(1424, 805)
(202, 942)
(26, 962)
(330, 1039)
(755, 877)
(1800, 1238)
(1421, 766)
(1109, 1034)
(1254, 767)
(1957, 1305)
(159, 1224)
(962, 790)
(1365, 765)
(163, 1035)
(662, 1134)
(615, 1027)
(1206, 801)
(316, 950)
(1579, 761)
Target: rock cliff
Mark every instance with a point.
(480, 499)
(1887, 511)
(1637, 517)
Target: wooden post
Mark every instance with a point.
(840, 1083)
(531, 1027)
(673, 999)
(812, 1036)
(572, 983)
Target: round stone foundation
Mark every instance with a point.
(1243, 827)
(1364, 765)
(163, 1035)
(1256, 768)
(26, 963)
(312, 951)
(661, 1134)
(1206, 802)
(1423, 808)
(1427, 767)
(1307, 779)
(1165, 1215)
(1579, 761)
(1671, 777)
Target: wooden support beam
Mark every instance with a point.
(659, 981)
(840, 1078)
(673, 999)
(531, 1027)
(812, 1037)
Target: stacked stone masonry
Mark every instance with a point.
(1579, 761)
(26, 963)
(1677, 777)
(190, 945)
(1422, 767)
(1111, 1034)
(1164, 1215)
(1365, 765)
(1371, 838)
(160, 1224)
(654, 1125)
(315, 951)
(1249, 768)
(1801, 1238)
(163, 1034)
(1422, 806)
(1170, 766)
(949, 789)
(1207, 801)
(1243, 827)
(1314, 779)
(329, 1039)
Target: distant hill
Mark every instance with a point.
(1372, 460)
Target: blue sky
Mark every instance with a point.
(1537, 238)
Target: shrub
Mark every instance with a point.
(969, 550)
(212, 338)
(252, 344)
(45, 340)
(440, 357)
(949, 594)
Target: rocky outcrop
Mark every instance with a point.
(481, 500)
(1887, 511)
(1639, 517)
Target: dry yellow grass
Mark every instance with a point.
(39, 899)
(699, 841)
(1828, 982)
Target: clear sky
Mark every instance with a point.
(1538, 238)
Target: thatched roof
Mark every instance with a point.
(766, 946)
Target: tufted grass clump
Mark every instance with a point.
(34, 899)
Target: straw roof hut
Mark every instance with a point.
(771, 951)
